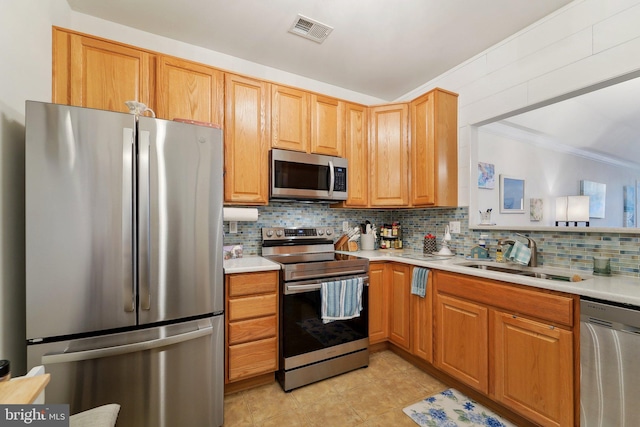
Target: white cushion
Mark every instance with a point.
(102, 416)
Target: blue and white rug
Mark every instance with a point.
(453, 409)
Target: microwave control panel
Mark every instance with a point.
(340, 183)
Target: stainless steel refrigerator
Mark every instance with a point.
(124, 263)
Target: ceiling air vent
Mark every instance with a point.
(310, 29)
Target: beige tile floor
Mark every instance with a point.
(372, 396)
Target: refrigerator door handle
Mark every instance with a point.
(127, 220)
(78, 356)
(144, 201)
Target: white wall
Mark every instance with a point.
(548, 174)
(583, 44)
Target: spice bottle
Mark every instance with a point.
(5, 370)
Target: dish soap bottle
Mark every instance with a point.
(499, 254)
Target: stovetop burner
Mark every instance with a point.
(308, 253)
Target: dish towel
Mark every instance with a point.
(341, 299)
(419, 281)
(518, 253)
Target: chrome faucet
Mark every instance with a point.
(531, 244)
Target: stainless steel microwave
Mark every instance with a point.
(304, 176)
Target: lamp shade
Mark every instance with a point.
(561, 208)
(578, 208)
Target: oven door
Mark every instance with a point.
(304, 338)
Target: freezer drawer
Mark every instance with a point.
(164, 376)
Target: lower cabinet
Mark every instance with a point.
(378, 304)
(251, 325)
(462, 332)
(399, 304)
(533, 368)
(513, 343)
(421, 322)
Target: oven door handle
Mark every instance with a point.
(316, 285)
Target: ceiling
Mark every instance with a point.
(602, 125)
(380, 48)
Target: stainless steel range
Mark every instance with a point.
(311, 350)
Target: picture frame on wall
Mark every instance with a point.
(486, 175)
(511, 194)
(629, 206)
(597, 193)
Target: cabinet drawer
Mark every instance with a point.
(253, 358)
(251, 330)
(251, 307)
(252, 283)
(542, 304)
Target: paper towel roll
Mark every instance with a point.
(240, 214)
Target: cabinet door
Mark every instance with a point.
(399, 302)
(327, 126)
(289, 118)
(357, 152)
(246, 141)
(389, 153)
(533, 368)
(378, 304)
(422, 323)
(434, 149)
(461, 341)
(187, 90)
(93, 73)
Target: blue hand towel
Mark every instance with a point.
(518, 253)
(341, 299)
(419, 281)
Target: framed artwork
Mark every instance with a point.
(511, 194)
(597, 193)
(486, 175)
(629, 206)
(535, 209)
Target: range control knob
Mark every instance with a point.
(320, 231)
(279, 233)
(329, 232)
(269, 233)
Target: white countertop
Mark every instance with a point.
(249, 264)
(616, 288)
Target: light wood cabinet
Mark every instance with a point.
(399, 305)
(422, 322)
(357, 153)
(95, 73)
(378, 304)
(533, 368)
(289, 118)
(251, 325)
(327, 126)
(188, 90)
(514, 343)
(434, 149)
(462, 341)
(246, 140)
(389, 156)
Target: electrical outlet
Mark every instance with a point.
(454, 227)
(345, 226)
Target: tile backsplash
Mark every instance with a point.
(555, 248)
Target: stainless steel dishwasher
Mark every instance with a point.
(610, 364)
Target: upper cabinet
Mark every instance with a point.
(389, 154)
(327, 126)
(187, 90)
(88, 72)
(357, 153)
(246, 136)
(434, 149)
(289, 118)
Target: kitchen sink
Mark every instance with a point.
(524, 271)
